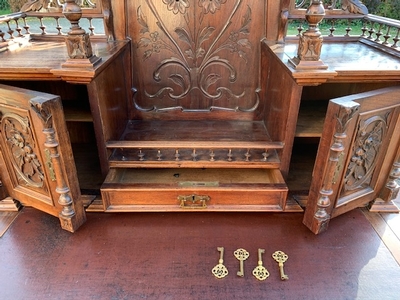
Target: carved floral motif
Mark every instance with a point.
(211, 5)
(365, 153)
(196, 58)
(18, 136)
(177, 6)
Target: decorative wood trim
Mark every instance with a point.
(324, 203)
(9, 204)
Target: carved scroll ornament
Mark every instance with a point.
(52, 5)
(193, 54)
(352, 6)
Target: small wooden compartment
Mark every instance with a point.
(186, 189)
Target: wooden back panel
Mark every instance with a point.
(196, 57)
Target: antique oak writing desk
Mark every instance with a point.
(194, 105)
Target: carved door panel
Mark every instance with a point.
(358, 148)
(36, 163)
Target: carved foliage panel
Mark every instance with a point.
(369, 145)
(26, 162)
(196, 55)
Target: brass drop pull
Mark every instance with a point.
(281, 257)
(193, 201)
(220, 271)
(241, 255)
(260, 272)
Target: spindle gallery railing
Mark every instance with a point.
(182, 153)
(344, 21)
(47, 25)
(376, 30)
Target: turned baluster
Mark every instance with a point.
(194, 155)
(379, 33)
(177, 155)
(332, 29)
(17, 28)
(247, 155)
(78, 41)
(26, 26)
(265, 155)
(396, 39)
(91, 27)
(65, 200)
(310, 41)
(58, 26)
(324, 203)
(387, 36)
(123, 157)
(212, 155)
(371, 31)
(42, 26)
(391, 189)
(348, 28)
(10, 31)
(230, 155)
(159, 155)
(300, 28)
(141, 155)
(364, 29)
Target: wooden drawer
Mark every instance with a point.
(195, 189)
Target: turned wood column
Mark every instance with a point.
(310, 42)
(78, 41)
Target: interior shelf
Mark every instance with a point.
(301, 167)
(311, 119)
(195, 144)
(76, 111)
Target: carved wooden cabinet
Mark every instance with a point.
(35, 169)
(195, 107)
(198, 131)
(355, 155)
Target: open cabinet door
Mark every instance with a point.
(36, 162)
(358, 148)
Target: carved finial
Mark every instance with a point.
(310, 43)
(78, 42)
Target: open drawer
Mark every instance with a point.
(127, 189)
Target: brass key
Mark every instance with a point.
(260, 272)
(281, 257)
(241, 255)
(220, 271)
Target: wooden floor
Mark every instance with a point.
(387, 226)
(170, 256)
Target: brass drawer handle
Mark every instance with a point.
(193, 201)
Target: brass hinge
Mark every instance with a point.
(193, 201)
